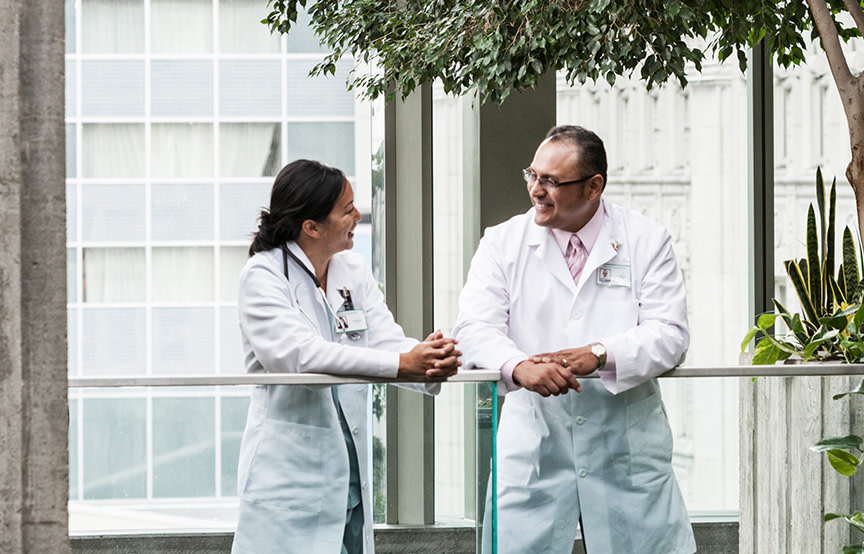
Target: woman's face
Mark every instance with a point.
(337, 232)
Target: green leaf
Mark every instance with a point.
(814, 273)
(843, 462)
(856, 519)
(797, 278)
(745, 343)
(766, 353)
(765, 321)
(848, 442)
(850, 263)
(828, 242)
(859, 390)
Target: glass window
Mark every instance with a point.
(233, 422)
(71, 166)
(240, 208)
(250, 149)
(230, 344)
(318, 96)
(71, 88)
(113, 275)
(114, 448)
(112, 26)
(113, 341)
(232, 259)
(69, 12)
(71, 275)
(182, 274)
(181, 88)
(112, 150)
(72, 339)
(241, 30)
(183, 341)
(112, 213)
(250, 88)
(302, 38)
(329, 143)
(181, 26)
(71, 213)
(73, 447)
(181, 150)
(184, 456)
(112, 88)
(182, 211)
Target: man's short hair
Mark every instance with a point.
(592, 153)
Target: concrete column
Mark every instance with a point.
(509, 135)
(33, 406)
(408, 228)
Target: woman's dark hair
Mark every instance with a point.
(304, 189)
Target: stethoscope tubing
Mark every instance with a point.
(286, 253)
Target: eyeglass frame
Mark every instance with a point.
(530, 175)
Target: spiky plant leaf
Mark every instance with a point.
(814, 273)
(841, 282)
(797, 278)
(850, 263)
(828, 242)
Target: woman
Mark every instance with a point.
(308, 305)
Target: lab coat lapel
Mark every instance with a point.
(548, 252)
(608, 243)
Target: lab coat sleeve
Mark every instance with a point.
(661, 337)
(283, 340)
(385, 333)
(484, 313)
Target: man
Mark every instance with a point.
(575, 286)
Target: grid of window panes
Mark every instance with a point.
(179, 114)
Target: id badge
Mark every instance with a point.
(354, 320)
(611, 275)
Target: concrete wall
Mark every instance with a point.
(711, 538)
(785, 487)
(33, 406)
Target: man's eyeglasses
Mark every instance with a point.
(547, 183)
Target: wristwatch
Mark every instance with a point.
(599, 352)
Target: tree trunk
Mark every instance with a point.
(855, 169)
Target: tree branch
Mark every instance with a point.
(831, 43)
(854, 9)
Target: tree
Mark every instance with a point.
(499, 47)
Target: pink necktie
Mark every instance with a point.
(576, 257)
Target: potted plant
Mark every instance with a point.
(829, 327)
(831, 323)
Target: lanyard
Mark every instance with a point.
(340, 325)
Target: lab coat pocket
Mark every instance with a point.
(650, 440)
(519, 435)
(287, 467)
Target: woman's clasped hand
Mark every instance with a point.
(434, 359)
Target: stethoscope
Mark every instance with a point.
(341, 325)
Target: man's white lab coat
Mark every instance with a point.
(608, 449)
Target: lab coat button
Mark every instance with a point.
(583, 473)
(577, 315)
(356, 430)
(580, 420)
(363, 484)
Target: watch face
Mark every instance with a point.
(598, 350)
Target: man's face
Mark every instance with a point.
(568, 207)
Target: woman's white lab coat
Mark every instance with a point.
(293, 468)
(608, 449)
